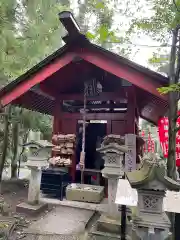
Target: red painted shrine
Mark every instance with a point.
(55, 87)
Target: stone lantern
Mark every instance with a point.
(151, 182)
(39, 153)
(113, 155)
(108, 225)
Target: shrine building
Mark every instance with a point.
(55, 86)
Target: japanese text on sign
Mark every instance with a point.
(130, 156)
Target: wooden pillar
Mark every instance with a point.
(131, 110)
(108, 127)
(73, 168)
(57, 121)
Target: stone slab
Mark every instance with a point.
(62, 220)
(31, 209)
(100, 207)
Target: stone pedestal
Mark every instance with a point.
(112, 187)
(33, 206)
(34, 186)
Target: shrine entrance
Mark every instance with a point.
(96, 130)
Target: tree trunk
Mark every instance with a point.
(173, 102)
(23, 149)
(5, 142)
(15, 144)
(171, 161)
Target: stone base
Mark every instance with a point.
(110, 225)
(31, 209)
(108, 228)
(97, 235)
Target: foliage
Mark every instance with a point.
(163, 18)
(146, 125)
(27, 28)
(170, 88)
(101, 29)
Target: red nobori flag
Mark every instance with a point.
(150, 143)
(163, 126)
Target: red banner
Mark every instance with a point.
(163, 125)
(149, 145)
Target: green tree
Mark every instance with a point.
(163, 18)
(30, 31)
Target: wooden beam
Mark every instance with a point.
(97, 112)
(40, 76)
(96, 116)
(47, 90)
(70, 24)
(105, 96)
(99, 106)
(121, 70)
(57, 122)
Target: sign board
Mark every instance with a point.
(171, 202)
(125, 194)
(128, 196)
(130, 156)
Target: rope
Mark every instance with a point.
(84, 120)
(82, 157)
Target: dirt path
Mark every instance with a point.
(14, 192)
(56, 223)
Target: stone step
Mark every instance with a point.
(110, 225)
(98, 235)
